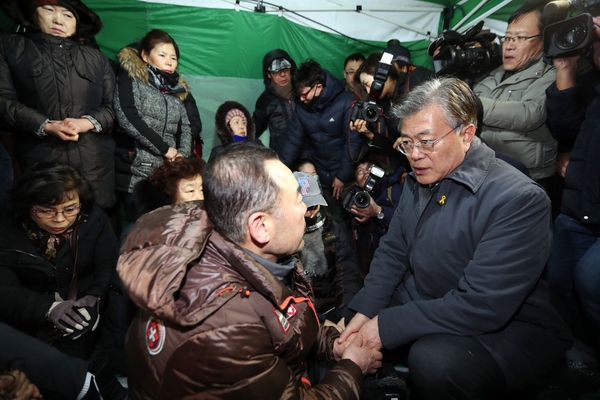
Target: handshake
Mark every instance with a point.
(74, 317)
(360, 343)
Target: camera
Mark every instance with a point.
(370, 111)
(361, 198)
(572, 35)
(467, 54)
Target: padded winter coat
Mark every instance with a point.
(154, 119)
(271, 110)
(48, 77)
(574, 116)
(333, 147)
(514, 116)
(215, 323)
(28, 281)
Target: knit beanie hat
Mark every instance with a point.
(62, 3)
(234, 112)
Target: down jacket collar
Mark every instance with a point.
(136, 68)
(21, 11)
(158, 267)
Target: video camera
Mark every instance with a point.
(460, 55)
(361, 198)
(369, 110)
(569, 36)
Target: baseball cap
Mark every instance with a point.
(310, 189)
(278, 64)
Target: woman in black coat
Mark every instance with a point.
(56, 93)
(57, 254)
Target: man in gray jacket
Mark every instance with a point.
(514, 97)
(457, 278)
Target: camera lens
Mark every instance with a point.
(571, 36)
(362, 199)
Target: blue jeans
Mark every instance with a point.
(573, 272)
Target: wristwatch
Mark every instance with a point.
(380, 214)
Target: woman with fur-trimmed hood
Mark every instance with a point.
(56, 93)
(149, 104)
(233, 123)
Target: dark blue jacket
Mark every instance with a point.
(333, 147)
(571, 123)
(469, 264)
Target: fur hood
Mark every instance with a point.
(136, 68)
(21, 11)
(223, 130)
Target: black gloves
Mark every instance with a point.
(75, 316)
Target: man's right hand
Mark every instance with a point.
(367, 359)
(353, 327)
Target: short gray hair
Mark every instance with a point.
(452, 95)
(236, 184)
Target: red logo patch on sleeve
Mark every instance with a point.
(155, 335)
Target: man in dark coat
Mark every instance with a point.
(572, 272)
(322, 120)
(275, 106)
(457, 277)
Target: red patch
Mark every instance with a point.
(291, 311)
(155, 335)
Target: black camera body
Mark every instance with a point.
(361, 198)
(477, 53)
(369, 110)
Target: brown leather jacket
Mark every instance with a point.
(214, 323)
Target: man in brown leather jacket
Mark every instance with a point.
(225, 312)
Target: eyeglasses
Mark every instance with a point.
(49, 214)
(305, 95)
(406, 147)
(518, 39)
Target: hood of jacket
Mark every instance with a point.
(176, 267)
(224, 131)
(268, 59)
(332, 88)
(21, 11)
(136, 68)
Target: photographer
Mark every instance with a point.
(374, 211)
(572, 269)
(513, 97)
(382, 133)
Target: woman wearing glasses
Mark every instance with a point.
(50, 226)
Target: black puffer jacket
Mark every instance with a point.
(333, 147)
(271, 110)
(28, 281)
(45, 77)
(574, 117)
(224, 131)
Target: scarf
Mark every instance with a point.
(47, 243)
(284, 91)
(313, 254)
(162, 80)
